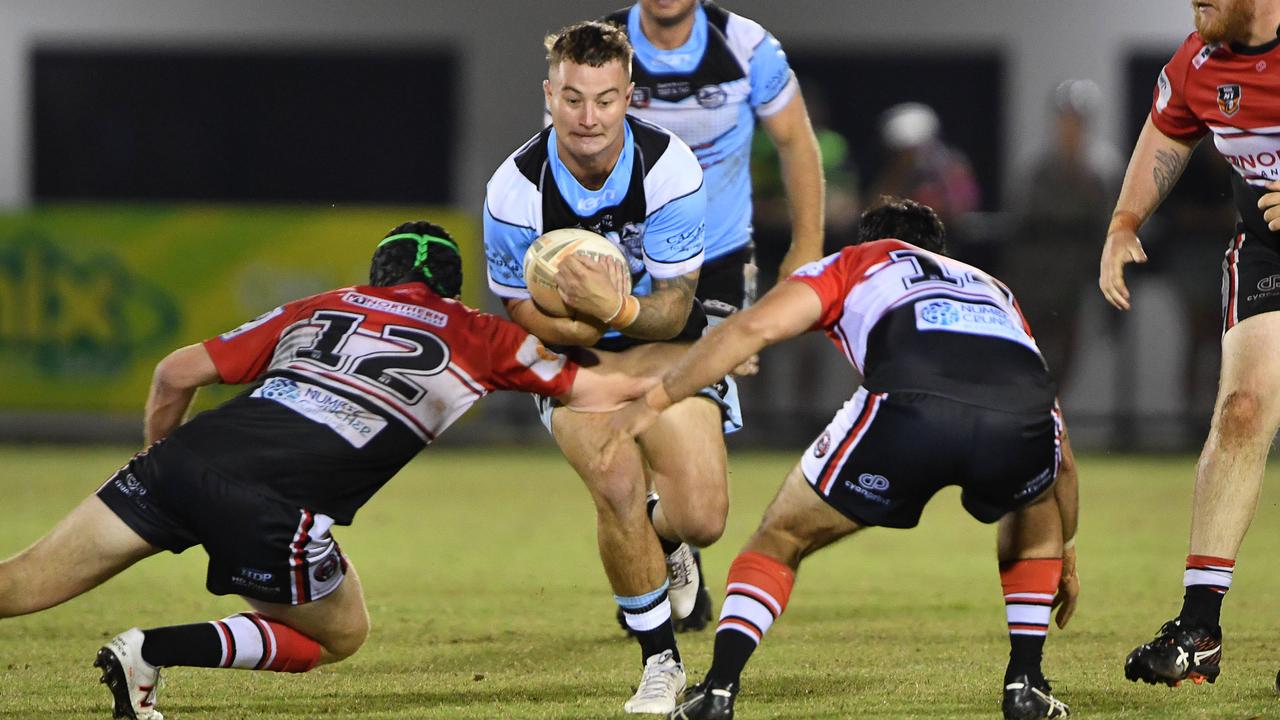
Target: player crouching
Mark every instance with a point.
(335, 411)
(945, 355)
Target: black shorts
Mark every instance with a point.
(1250, 278)
(727, 284)
(885, 455)
(258, 546)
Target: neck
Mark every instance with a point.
(1266, 23)
(667, 36)
(592, 171)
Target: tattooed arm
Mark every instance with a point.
(665, 310)
(1157, 162)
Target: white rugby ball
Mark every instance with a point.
(543, 258)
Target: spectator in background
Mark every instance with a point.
(1060, 209)
(921, 167)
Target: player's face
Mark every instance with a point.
(1220, 21)
(588, 106)
(667, 12)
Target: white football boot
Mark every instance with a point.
(683, 579)
(134, 683)
(662, 682)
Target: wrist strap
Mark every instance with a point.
(627, 313)
(1124, 220)
(1068, 545)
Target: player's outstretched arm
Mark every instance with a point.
(786, 311)
(1156, 164)
(581, 331)
(173, 385)
(596, 391)
(802, 175)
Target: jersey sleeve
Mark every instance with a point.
(241, 355)
(674, 235)
(1170, 112)
(773, 83)
(504, 247)
(829, 277)
(519, 361)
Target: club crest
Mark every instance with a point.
(1229, 99)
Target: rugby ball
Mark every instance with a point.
(543, 258)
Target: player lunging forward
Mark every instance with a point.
(1222, 80)
(348, 386)
(946, 356)
(641, 187)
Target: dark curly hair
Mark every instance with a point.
(905, 220)
(395, 263)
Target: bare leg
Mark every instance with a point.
(87, 548)
(689, 469)
(339, 621)
(1245, 418)
(798, 523)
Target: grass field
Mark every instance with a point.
(488, 602)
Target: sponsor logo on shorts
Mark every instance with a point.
(325, 571)
(711, 96)
(261, 576)
(867, 493)
(1036, 485)
(1267, 287)
(129, 486)
(821, 447)
(248, 584)
(879, 483)
(417, 312)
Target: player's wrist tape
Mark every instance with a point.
(1069, 545)
(626, 314)
(1124, 220)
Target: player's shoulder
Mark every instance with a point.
(671, 170)
(742, 33)
(1193, 53)
(512, 191)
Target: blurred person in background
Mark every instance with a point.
(335, 408)
(1060, 209)
(921, 167)
(1222, 80)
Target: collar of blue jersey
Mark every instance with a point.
(584, 202)
(681, 60)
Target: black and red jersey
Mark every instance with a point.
(1232, 91)
(350, 384)
(910, 320)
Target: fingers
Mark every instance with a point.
(1066, 599)
(749, 367)
(1270, 205)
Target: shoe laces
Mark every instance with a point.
(680, 566)
(660, 678)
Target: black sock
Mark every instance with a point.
(668, 546)
(733, 650)
(1201, 605)
(197, 645)
(648, 617)
(1025, 653)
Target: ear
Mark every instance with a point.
(546, 92)
(631, 90)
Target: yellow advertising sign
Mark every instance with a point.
(92, 296)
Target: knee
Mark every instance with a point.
(1240, 417)
(618, 499)
(344, 641)
(703, 530)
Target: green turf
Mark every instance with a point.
(488, 602)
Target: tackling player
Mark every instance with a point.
(338, 404)
(641, 187)
(946, 356)
(709, 75)
(1222, 80)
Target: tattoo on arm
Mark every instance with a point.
(664, 312)
(1167, 169)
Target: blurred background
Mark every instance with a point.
(172, 169)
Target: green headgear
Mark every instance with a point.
(424, 242)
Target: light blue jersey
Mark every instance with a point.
(709, 92)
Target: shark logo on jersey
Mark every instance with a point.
(1229, 99)
(711, 96)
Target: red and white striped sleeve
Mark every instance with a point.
(1170, 111)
